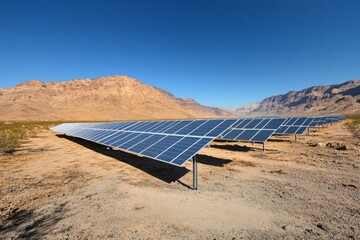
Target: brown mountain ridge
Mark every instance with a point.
(317, 100)
(104, 98)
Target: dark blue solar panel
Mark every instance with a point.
(301, 130)
(281, 129)
(163, 127)
(190, 152)
(96, 133)
(178, 148)
(238, 123)
(145, 126)
(206, 128)
(247, 135)
(291, 130)
(123, 125)
(253, 123)
(141, 146)
(291, 121)
(101, 136)
(134, 140)
(155, 126)
(190, 127)
(123, 139)
(115, 125)
(308, 121)
(104, 125)
(233, 134)
(300, 121)
(177, 127)
(83, 132)
(286, 121)
(243, 123)
(313, 124)
(262, 123)
(114, 138)
(160, 146)
(262, 136)
(219, 129)
(135, 126)
(226, 132)
(252, 128)
(274, 123)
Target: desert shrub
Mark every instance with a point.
(13, 134)
(354, 124)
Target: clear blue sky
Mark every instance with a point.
(221, 53)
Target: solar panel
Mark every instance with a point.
(253, 129)
(298, 125)
(173, 142)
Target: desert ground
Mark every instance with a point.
(59, 187)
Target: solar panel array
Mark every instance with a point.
(298, 125)
(253, 129)
(173, 142)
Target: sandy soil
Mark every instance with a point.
(58, 187)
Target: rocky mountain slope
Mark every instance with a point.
(331, 99)
(246, 109)
(105, 98)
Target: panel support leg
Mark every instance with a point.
(263, 147)
(295, 138)
(194, 173)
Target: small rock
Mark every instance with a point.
(337, 146)
(284, 227)
(308, 232)
(349, 185)
(280, 171)
(312, 143)
(323, 227)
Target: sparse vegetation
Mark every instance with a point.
(354, 124)
(12, 134)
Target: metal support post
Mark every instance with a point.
(263, 147)
(194, 173)
(295, 138)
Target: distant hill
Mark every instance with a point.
(330, 99)
(246, 109)
(105, 98)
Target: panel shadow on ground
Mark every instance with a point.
(163, 171)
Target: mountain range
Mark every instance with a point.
(317, 100)
(125, 98)
(105, 98)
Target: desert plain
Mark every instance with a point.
(60, 187)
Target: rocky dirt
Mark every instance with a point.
(58, 187)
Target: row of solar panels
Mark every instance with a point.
(257, 129)
(175, 142)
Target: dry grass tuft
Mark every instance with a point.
(13, 134)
